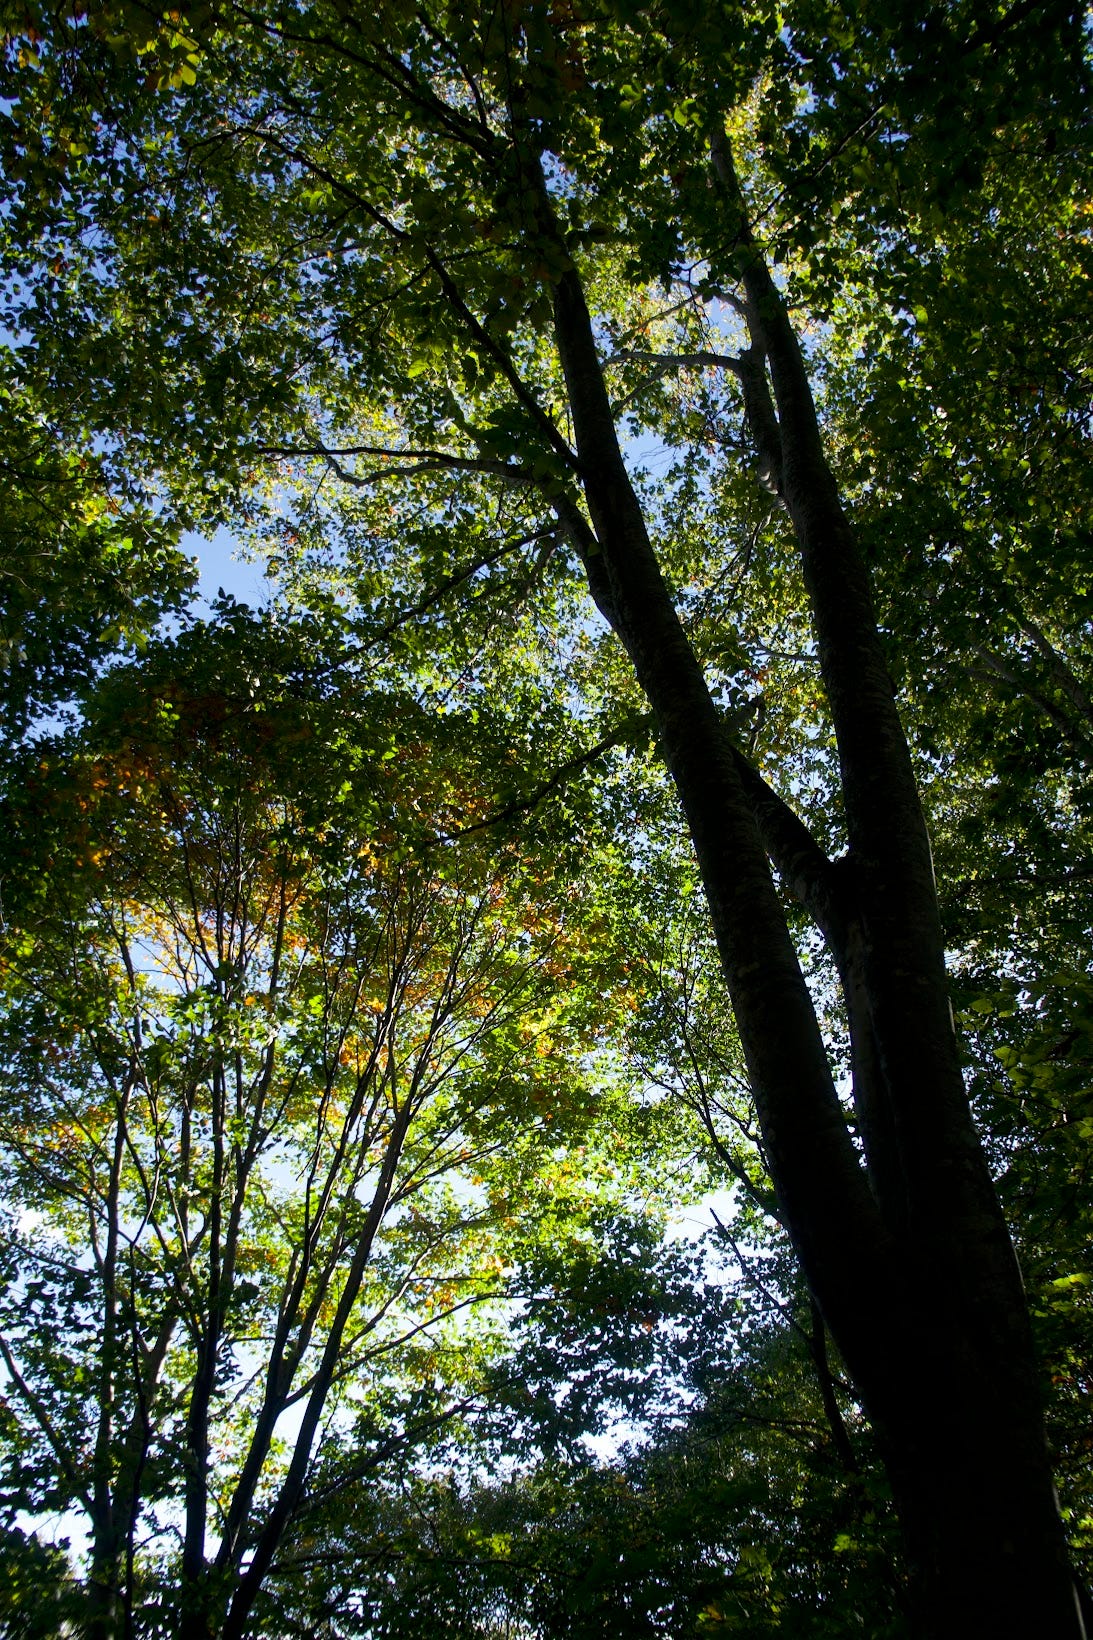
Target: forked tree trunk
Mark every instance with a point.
(905, 1250)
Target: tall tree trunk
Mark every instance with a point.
(103, 1581)
(908, 1255)
(965, 1440)
(268, 1539)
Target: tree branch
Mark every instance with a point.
(45, 1423)
(531, 800)
(423, 461)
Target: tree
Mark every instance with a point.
(87, 571)
(464, 226)
(274, 1073)
(740, 1521)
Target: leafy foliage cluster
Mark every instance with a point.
(363, 1032)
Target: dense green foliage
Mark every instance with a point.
(363, 1028)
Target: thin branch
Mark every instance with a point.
(503, 362)
(531, 800)
(41, 1417)
(663, 362)
(422, 461)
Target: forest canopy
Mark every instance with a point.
(546, 1069)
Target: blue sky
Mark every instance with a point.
(219, 567)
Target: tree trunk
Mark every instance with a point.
(981, 1530)
(103, 1584)
(907, 1254)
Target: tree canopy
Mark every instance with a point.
(666, 432)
